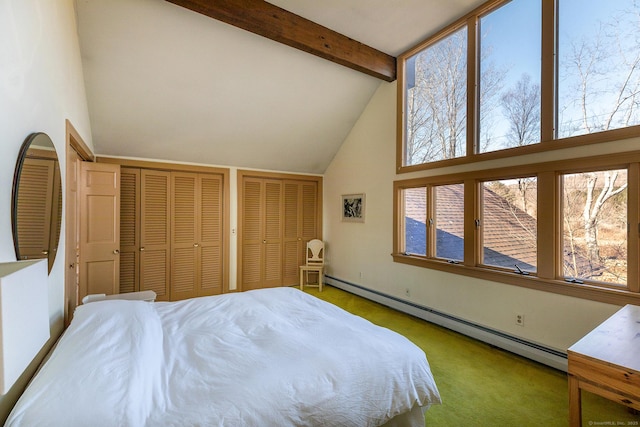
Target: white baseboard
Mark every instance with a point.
(539, 353)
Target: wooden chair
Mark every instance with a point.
(315, 263)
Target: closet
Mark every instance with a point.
(144, 231)
(172, 238)
(279, 214)
(196, 235)
(301, 224)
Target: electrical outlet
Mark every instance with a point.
(407, 293)
(520, 319)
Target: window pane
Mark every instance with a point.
(510, 44)
(595, 226)
(415, 219)
(598, 75)
(449, 221)
(509, 230)
(436, 101)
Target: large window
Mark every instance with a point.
(448, 222)
(510, 76)
(433, 221)
(599, 66)
(566, 226)
(509, 225)
(415, 221)
(436, 101)
(594, 226)
(520, 76)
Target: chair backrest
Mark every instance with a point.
(315, 252)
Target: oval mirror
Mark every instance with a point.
(36, 201)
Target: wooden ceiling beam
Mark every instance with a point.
(275, 23)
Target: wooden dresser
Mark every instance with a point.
(606, 362)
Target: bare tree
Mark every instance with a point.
(586, 197)
(593, 206)
(601, 80)
(436, 110)
(437, 100)
(521, 108)
(602, 76)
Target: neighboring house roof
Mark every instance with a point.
(506, 241)
(509, 233)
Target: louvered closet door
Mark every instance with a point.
(292, 238)
(273, 190)
(184, 231)
(261, 233)
(34, 208)
(300, 219)
(210, 260)
(252, 231)
(129, 230)
(155, 209)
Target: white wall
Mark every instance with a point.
(41, 85)
(361, 253)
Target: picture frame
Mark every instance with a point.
(353, 207)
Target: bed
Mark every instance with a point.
(269, 357)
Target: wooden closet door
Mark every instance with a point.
(155, 244)
(272, 241)
(196, 235)
(99, 228)
(291, 239)
(211, 242)
(300, 225)
(252, 231)
(184, 235)
(261, 233)
(129, 230)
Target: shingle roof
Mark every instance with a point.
(509, 232)
(506, 243)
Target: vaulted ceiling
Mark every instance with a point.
(164, 82)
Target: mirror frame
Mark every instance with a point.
(22, 155)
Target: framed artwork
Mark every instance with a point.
(353, 207)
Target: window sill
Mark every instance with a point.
(588, 291)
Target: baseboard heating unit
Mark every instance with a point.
(539, 353)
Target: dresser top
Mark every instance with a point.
(615, 341)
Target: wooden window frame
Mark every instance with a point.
(549, 276)
(480, 217)
(431, 205)
(548, 95)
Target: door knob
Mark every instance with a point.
(142, 249)
(116, 251)
(264, 241)
(195, 245)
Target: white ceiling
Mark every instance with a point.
(167, 83)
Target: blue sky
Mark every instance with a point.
(512, 33)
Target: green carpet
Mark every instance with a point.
(481, 385)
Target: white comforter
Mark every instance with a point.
(273, 357)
